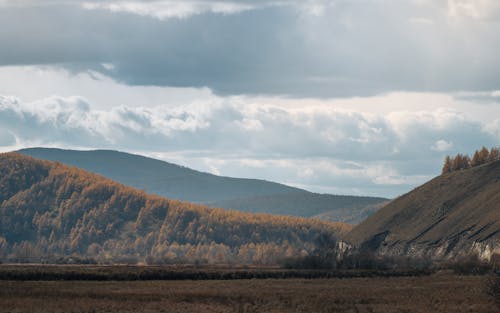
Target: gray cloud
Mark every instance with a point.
(312, 48)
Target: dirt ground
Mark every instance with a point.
(442, 292)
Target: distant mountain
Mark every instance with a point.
(454, 214)
(159, 177)
(177, 182)
(50, 210)
(350, 216)
(347, 209)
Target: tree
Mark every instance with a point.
(447, 165)
(476, 159)
(494, 154)
(460, 162)
(484, 155)
(3, 247)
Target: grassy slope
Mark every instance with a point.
(461, 205)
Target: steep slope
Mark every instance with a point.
(453, 214)
(176, 182)
(48, 209)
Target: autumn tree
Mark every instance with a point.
(484, 155)
(460, 162)
(476, 160)
(480, 157)
(447, 165)
(494, 154)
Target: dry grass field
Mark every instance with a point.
(442, 292)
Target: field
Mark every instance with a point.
(441, 292)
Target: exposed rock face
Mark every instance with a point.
(452, 215)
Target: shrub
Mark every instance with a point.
(470, 265)
(308, 262)
(493, 285)
(367, 260)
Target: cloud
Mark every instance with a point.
(324, 146)
(442, 145)
(294, 48)
(474, 9)
(163, 10)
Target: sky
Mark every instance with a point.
(361, 97)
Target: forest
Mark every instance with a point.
(464, 161)
(51, 212)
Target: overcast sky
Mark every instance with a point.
(345, 97)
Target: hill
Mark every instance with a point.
(347, 209)
(181, 183)
(454, 214)
(50, 210)
(356, 217)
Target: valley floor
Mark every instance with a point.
(442, 292)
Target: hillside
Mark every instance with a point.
(358, 216)
(347, 209)
(159, 177)
(455, 213)
(50, 210)
(181, 183)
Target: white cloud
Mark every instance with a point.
(333, 145)
(442, 145)
(166, 9)
(100, 90)
(170, 8)
(108, 66)
(421, 21)
(475, 9)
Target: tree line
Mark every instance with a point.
(464, 161)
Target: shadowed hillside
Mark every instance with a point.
(347, 209)
(159, 177)
(181, 183)
(49, 209)
(453, 214)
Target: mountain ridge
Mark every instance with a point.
(182, 183)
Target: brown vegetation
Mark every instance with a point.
(493, 286)
(49, 210)
(437, 293)
(463, 161)
(30, 272)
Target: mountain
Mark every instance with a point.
(50, 210)
(159, 177)
(177, 182)
(355, 217)
(347, 209)
(454, 214)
